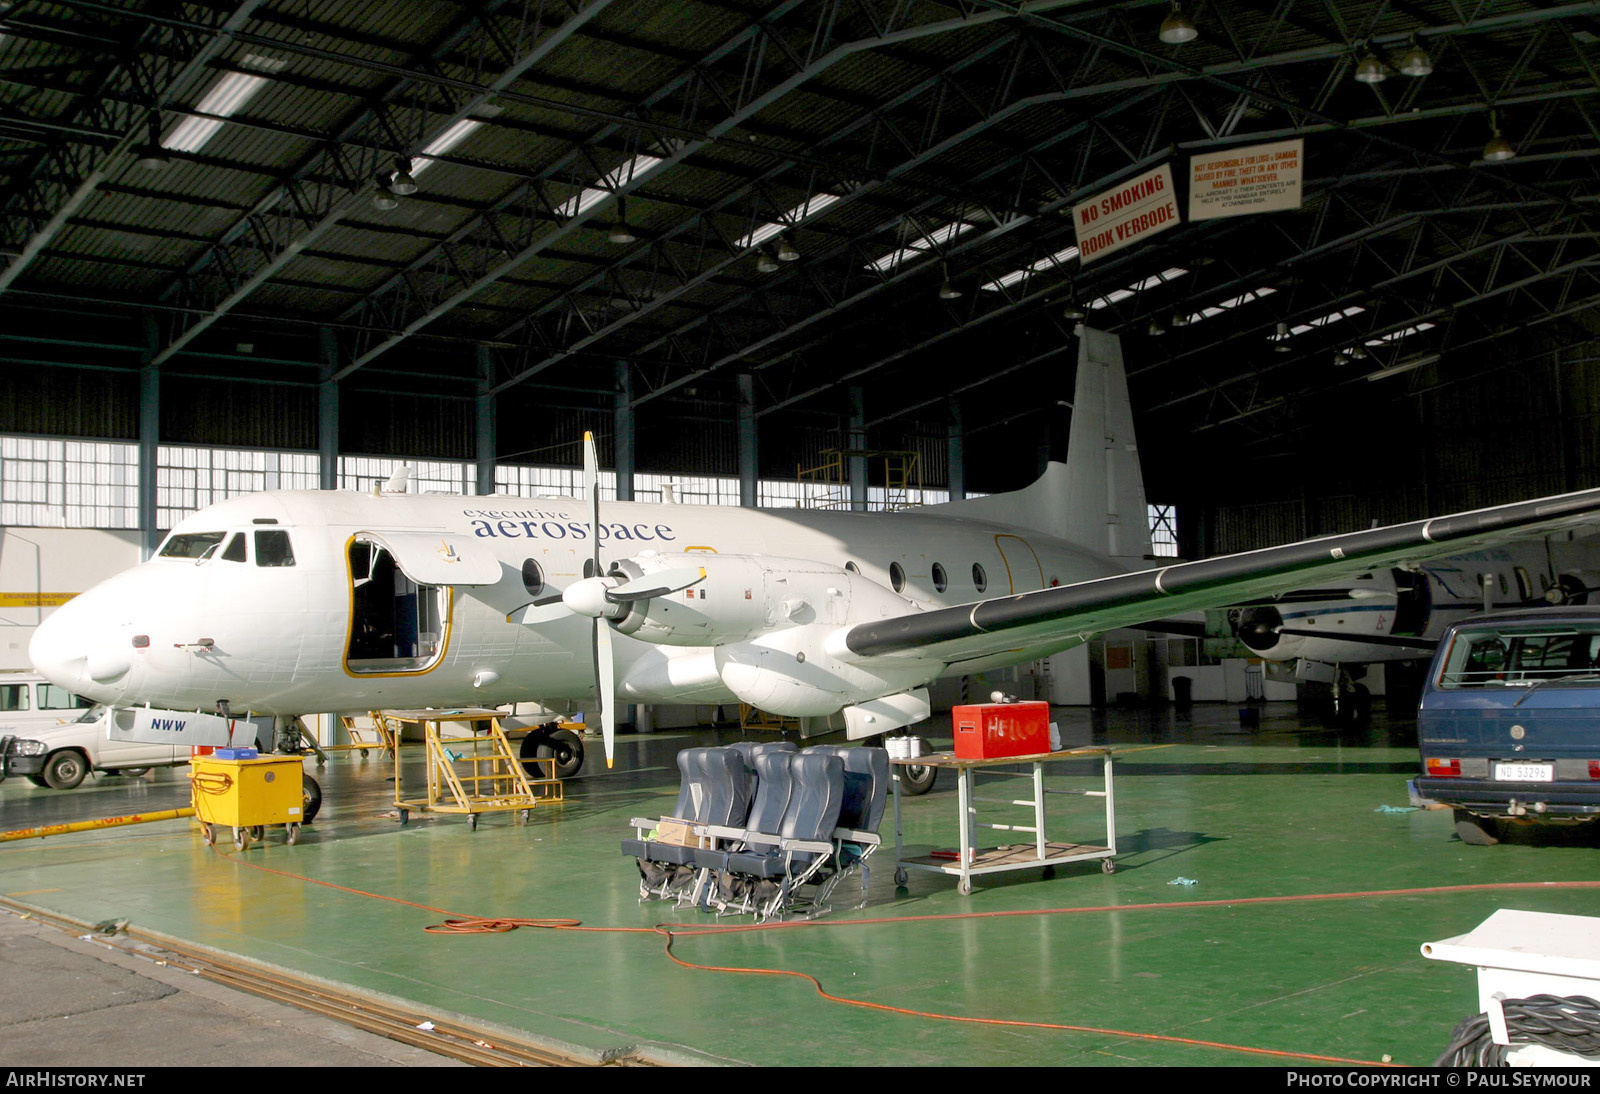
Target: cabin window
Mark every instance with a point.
(396, 625)
(941, 581)
(273, 548)
(852, 567)
(532, 577)
(897, 576)
(14, 697)
(980, 580)
(191, 544)
(234, 551)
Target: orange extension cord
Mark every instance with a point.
(672, 931)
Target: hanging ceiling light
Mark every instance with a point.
(401, 182)
(1280, 338)
(1072, 311)
(1155, 330)
(620, 232)
(1370, 70)
(1416, 61)
(1498, 150)
(948, 291)
(766, 263)
(152, 157)
(1179, 319)
(1176, 28)
(786, 251)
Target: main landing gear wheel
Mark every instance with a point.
(561, 745)
(917, 778)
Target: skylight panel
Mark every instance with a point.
(1118, 295)
(589, 197)
(1231, 303)
(443, 143)
(226, 98)
(807, 208)
(936, 238)
(1398, 335)
(1005, 281)
(1331, 317)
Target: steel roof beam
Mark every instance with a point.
(159, 64)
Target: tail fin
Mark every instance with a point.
(1096, 499)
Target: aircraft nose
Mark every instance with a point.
(76, 647)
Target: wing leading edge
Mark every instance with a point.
(1089, 607)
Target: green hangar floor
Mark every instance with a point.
(1266, 910)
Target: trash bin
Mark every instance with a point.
(1183, 690)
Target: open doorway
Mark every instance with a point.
(396, 625)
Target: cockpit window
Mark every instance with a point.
(191, 544)
(273, 549)
(234, 551)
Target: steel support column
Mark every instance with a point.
(956, 452)
(623, 432)
(857, 442)
(488, 440)
(328, 412)
(749, 453)
(149, 440)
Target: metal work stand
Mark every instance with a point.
(970, 861)
(472, 774)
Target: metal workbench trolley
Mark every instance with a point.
(970, 860)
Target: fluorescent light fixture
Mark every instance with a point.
(225, 99)
(1396, 336)
(1005, 281)
(1331, 317)
(936, 238)
(1150, 282)
(807, 208)
(589, 197)
(443, 143)
(1403, 366)
(1228, 305)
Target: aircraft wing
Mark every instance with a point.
(1087, 608)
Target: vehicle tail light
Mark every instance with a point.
(1594, 769)
(1448, 769)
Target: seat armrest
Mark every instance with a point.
(643, 822)
(820, 847)
(722, 831)
(762, 839)
(852, 835)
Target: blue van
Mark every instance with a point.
(1509, 723)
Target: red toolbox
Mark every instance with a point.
(988, 730)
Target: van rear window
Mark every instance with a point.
(1490, 657)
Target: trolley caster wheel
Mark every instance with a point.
(208, 832)
(258, 832)
(405, 816)
(1107, 866)
(472, 822)
(293, 834)
(900, 875)
(525, 815)
(241, 838)
(1048, 873)
(964, 887)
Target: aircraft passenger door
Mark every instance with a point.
(1023, 571)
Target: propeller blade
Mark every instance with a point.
(657, 584)
(547, 609)
(605, 679)
(591, 486)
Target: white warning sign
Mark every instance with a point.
(1126, 214)
(1263, 178)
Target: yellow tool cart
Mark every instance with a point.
(247, 795)
(472, 774)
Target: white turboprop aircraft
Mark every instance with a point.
(296, 602)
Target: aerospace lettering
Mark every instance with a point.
(541, 524)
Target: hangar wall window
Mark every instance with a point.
(362, 473)
(1163, 531)
(68, 484)
(189, 479)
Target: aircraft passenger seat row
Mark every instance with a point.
(764, 829)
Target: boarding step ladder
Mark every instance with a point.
(382, 735)
(476, 773)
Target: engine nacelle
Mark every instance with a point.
(745, 596)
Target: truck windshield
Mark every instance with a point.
(1491, 657)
